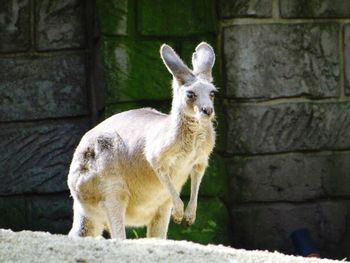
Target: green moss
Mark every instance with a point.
(135, 71)
(135, 233)
(214, 182)
(176, 18)
(211, 226)
(112, 16)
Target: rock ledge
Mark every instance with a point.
(27, 246)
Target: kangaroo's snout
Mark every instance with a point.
(207, 110)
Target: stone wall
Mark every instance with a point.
(281, 160)
(45, 107)
(287, 106)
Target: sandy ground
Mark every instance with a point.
(27, 246)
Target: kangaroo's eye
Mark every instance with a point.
(212, 94)
(190, 94)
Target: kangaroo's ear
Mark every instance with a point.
(175, 65)
(203, 60)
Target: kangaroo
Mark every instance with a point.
(129, 169)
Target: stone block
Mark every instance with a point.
(244, 8)
(287, 127)
(336, 176)
(37, 155)
(268, 226)
(220, 124)
(42, 87)
(135, 71)
(113, 16)
(176, 18)
(60, 24)
(211, 226)
(214, 182)
(282, 60)
(52, 213)
(14, 25)
(13, 213)
(315, 8)
(289, 177)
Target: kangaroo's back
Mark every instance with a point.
(132, 126)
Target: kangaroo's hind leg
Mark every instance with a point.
(84, 225)
(114, 205)
(158, 227)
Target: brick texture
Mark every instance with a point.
(314, 8)
(113, 16)
(180, 18)
(289, 177)
(60, 24)
(269, 61)
(135, 71)
(38, 156)
(42, 87)
(244, 8)
(288, 127)
(44, 108)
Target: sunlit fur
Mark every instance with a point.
(129, 169)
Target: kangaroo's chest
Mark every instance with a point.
(181, 160)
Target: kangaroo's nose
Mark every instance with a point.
(207, 110)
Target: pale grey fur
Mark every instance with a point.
(129, 169)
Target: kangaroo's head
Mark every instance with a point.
(193, 90)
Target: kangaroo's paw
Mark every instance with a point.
(189, 216)
(178, 212)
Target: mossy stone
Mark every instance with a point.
(176, 18)
(134, 71)
(314, 8)
(112, 16)
(214, 182)
(211, 226)
(245, 8)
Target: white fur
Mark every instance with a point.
(129, 169)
